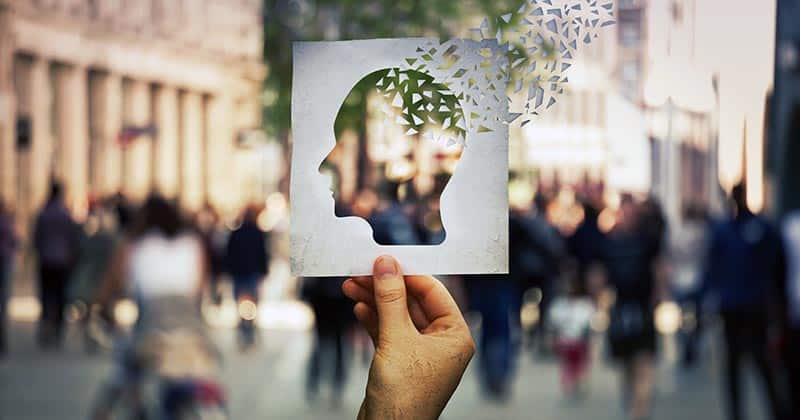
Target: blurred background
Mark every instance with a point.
(144, 153)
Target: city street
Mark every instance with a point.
(268, 384)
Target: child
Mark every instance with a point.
(570, 316)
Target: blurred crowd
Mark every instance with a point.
(164, 261)
(581, 268)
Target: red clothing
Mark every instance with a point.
(574, 356)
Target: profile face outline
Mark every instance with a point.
(421, 110)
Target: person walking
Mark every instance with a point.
(791, 290)
(391, 224)
(585, 245)
(493, 296)
(215, 239)
(163, 264)
(570, 319)
(247, 260)
(630, 255)
(98, 243)
(9, 242)
(332, 319)
(743, 272)
(56, 240)
(536, 251)
(791, 304)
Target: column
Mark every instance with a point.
(137, 154)
(191, 130)
(219, 153)
(167, 144)
(106, 123)
(72, 105)
(41, 113)
(7, 136)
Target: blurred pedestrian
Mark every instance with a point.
(9, 243)
(654, 223)
(162, 263)
(390, 223)
(743, 272)
(332, 318)
(570, 319)
(791, 290)
(56, 239)
(247, 260)
(426, 212)
(630, 255)
(536, 251)
(494, 296)
(96, 248)
(585, 245)
(124, 210)
(215, 240)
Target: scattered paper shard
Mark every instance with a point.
(545, 31)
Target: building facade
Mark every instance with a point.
(595, 132)
(784, 138)
(679, 98)
(127, 96)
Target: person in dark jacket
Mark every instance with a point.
(9, 242)
(56, 240)
(246, 255)
(536, 250)
(631, 255)
(585, 245)
(791, 305)
(744, 269)
(247, 261)
(391, 224)
(493, 296)
(332, 319)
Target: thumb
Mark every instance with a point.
(390, 296)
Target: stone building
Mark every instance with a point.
(784, 138)
(127, 96)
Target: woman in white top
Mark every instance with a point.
(162, 264)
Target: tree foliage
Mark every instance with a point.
(286, 21)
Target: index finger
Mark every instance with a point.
(435, 300)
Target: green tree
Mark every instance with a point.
(286, 21)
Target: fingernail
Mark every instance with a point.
(385, 266)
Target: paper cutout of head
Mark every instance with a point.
(418, 109)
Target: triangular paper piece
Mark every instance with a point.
(398, 101)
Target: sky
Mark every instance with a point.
(736, 40)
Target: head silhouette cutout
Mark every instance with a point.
(399, 134)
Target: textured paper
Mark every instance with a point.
(474, 204)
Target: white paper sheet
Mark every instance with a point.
(474, 204)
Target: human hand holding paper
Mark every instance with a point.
(422, 343)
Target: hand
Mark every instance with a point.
(422, 343)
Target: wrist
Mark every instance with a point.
(377, 407)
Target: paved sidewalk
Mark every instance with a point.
(268, 384)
